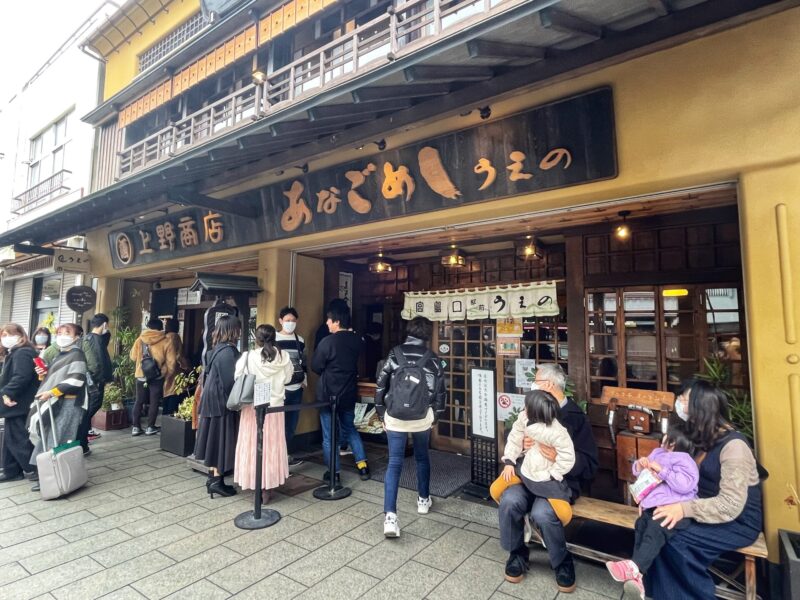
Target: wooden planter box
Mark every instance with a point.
(108, 420)
(790, 561)
(177, 436)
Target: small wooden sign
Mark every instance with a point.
(81, 298)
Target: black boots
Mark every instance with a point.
(215, 484)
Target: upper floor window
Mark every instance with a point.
(171, 41)
(47, 151)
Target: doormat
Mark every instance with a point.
(297, 484)
(449, 472)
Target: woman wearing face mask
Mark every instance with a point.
(726, 516)
(18, 383)
(64, 386)
(287, 340)
(41, 339)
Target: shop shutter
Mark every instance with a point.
(22, 302)
(5, 302)
(65, 313)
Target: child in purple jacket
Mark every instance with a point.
(674, 466)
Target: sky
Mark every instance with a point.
(31, 31)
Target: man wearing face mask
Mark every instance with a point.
(98, 363)
(518, 507)
(294, 345)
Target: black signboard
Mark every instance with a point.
(564, 143)
(81, 298)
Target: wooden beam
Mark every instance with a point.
(31, 249)
(389, 92)
(661, 7)
(557, 20)
(336, 111)
(304, 127)
(445, 73)
(517, 53)
(224, 153)
(188, 197)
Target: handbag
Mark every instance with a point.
(243, 391)
(299, 369)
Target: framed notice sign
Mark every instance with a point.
(483, 407)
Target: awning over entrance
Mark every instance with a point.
(214, 283)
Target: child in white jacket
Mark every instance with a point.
(543, 477)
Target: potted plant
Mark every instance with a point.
(124, 367)
(112, 412)
(177, 435)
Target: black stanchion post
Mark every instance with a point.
(258, 518)
(332, 491)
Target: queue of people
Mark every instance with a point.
(706, 499)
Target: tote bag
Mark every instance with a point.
(243, 390)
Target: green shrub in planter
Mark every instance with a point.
(177, 435)
(111, 414)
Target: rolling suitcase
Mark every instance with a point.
(62, 469)
(2, 445)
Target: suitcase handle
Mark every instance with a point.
(52, 426)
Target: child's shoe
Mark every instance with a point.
(634, 588)
(627, 572)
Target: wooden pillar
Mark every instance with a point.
(576, 318)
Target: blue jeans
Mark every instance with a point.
(348, 432)
(397, 447)
(293, 398)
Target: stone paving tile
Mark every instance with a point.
(539, 581)
(115, 578)
(325, 531)
(364, 510)
(47, 596)
(47, 560)
(223, 514)
(389, 555)
(245, 573)
(46, 581)
(123, 504)
(53, 510)
(502, 596)
(583, 594)
(319, 511)
(475, 579)
(184, 485)
(253, 541)
(96, 525)
(202, 541)
(126, 593)
(38, 545)
(595, 578)
(5, 503)
(11, 573)
(451, 549)
(40, 529)
(412, 581)
(26, 497)
(176, 577)
(485, 530)
(274, 587)
(151, 474)
(317, 565)
(138, 488)
(370, 532)
(17, 522)
(154, 522)
(137, 546)
(14, 488)
(443, 519)
(288, 505)
(430, 530)
(492, 550)
(129, 472)
(344, 584)
(200, 589)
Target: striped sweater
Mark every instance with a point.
(66, 375)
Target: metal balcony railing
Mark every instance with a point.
(41, 193)
(402, 29)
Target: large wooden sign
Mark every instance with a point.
(564, 143)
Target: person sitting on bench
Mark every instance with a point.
(726, 516)
(517, 502)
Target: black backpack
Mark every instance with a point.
(150, 368)
(408, 388)
(299, 374)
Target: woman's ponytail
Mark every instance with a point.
(265, 337)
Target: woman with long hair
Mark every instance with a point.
(64, 387)
(727, 514)
(269, 365)
(18, 384)
(216, 434)
(41, 339)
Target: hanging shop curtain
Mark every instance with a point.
(497, 302)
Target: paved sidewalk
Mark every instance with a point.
(144, 527)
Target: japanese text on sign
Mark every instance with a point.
(482, 404)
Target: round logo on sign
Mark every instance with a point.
(504, 401)
(124, 248)
(444, 348)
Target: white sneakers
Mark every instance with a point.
(424, 505)
(391, 528)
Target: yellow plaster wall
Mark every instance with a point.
(123, 65)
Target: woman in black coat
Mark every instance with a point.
(219, 427)
(18, 385)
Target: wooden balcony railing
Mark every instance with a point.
(402, 29)
(41, 193)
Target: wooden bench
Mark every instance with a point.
(625, 516)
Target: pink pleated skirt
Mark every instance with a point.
(275, 463)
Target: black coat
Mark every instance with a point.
(577, 424)
(336, 361)
(218, 380)
(18, 381)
